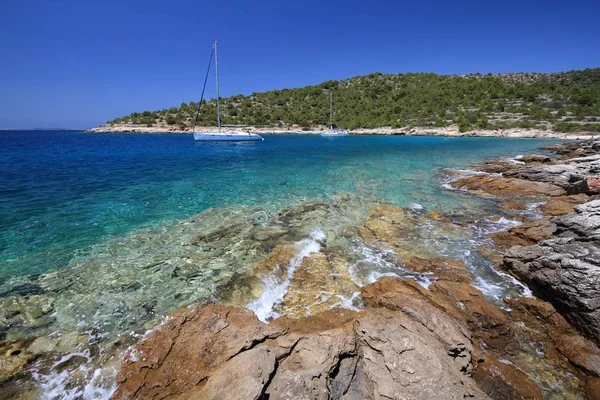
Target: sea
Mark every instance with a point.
(96, 230)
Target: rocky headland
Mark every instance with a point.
(377, 302)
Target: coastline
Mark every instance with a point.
(493, 341)
(522, 347)
(315, 270)
(452, 131)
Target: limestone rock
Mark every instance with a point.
(575, 175)
(383, 223)
(393, 348)
(503, 381)
(443, 269)
(526, 234)
(534, 158)
(562, 205)
(592, 388)
(13, 358)
(566, 272)
(507, 187)
(584, 223)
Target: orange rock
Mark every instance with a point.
(547, 326)
(13, 358)
(436, 216)
(443, 269)
(280, 258)
(525, 235)
(507, 187)
(317, 285)
(382, 223)
(563, 204)
(593, 184)
(491, 253)
(217, 352)
(513, 205)
(592, 388)
(500, 380)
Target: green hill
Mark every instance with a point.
(565, 102)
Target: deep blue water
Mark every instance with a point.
(61, 192)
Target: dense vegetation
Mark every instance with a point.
(566, 102)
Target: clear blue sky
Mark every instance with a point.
(79, 63)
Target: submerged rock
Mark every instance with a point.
(501, 380)
(14, 357)
(440, 268)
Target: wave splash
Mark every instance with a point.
(274, 290)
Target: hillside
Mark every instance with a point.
(563, 102)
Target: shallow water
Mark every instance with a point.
(104, 234)
(61, 192)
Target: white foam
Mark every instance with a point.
(416, 207)
(375, 276)
(501, 224)
(102, 385)
(317, 235)
(532, 210)
(472, 172)
(489, 289)
(346, 302)
(275, 290)
(424, 280)
(515, 160)
(57, 385)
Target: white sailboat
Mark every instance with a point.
(219, 135)
(332, 131)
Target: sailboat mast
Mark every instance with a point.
(218, 95)
(330, 109)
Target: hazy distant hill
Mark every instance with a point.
(566, 102)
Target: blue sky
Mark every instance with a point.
(77, 64)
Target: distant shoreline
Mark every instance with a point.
(451, 131)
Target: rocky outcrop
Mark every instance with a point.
(563, 205)
(526, 234)
(575, 175)
(391, 349)
(534, 158)
(566, 269)
(583, 224)
(576, 148)
(506, 187)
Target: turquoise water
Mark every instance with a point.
(62, 192)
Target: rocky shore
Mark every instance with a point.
(451, 131)
(408, 338)
(344, 298)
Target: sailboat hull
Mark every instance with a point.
(226, 137)
(334, 134)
